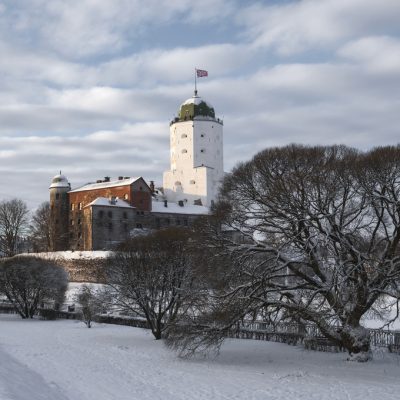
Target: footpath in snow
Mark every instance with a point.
(60, 360)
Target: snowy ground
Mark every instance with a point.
(60, 360)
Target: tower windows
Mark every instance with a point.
(202, 151)
(192, 182)
(184, 136)
(184, 151)
(202, 135)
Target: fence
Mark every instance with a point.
(290, 333)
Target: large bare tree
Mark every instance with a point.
(311, 232)
(13, 223)
(29, 281)
(152, 277)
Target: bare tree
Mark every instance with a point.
(13, 222)
(151, 277)
(90, 304)
(319, 233)
(29, 281)
(40, 228)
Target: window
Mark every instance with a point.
(126, 197)
(202, 135)
(178, 222)
(184, 136)
(79, 235)
(57, 196)
(101, 214)
(202, 151)
(167, 221)
(192, 182)
(126, 227)
(137, 212)
(72, 207)
(184, 151)
(185, 222)
(142, 212)
(79, 221)
(72, 222)
(110, 226)
(109, 214)
(139, 226)
(124, 215)
(141, 188)
(80, 206)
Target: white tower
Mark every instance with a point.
(196, 145)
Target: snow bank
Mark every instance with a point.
(72, 255)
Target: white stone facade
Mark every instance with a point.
(196, 156)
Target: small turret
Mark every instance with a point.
(59, 212)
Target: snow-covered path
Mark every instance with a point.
(59, 360)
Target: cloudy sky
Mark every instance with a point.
(89, 86)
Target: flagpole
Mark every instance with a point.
(195, 81)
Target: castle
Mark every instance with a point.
(99, 215)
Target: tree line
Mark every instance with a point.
(21, 232)
(298, 234)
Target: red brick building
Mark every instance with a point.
(97, 215)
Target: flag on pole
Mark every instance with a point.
(201, 73)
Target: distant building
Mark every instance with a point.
(99, 215)
(196, 143)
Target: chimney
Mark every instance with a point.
(99, 181)
(165, 203)
(106, 179)
(113, 200)
(152, 186)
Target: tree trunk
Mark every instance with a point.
(356, 340)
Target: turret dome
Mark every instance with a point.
(195, 107)
(59, 181)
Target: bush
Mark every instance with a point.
(30, 281)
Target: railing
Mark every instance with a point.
(290, 333)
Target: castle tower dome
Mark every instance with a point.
(196, 154)
(59, 212)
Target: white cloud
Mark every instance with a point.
(314, 24)
(378, 54)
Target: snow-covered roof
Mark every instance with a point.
(196, 100)
(174, 208)
(59, 181)
(104, 201)
(101, 185)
